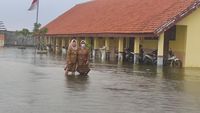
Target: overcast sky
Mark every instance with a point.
(15, 14)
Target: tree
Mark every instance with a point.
(25, 33)
(36, 28)
(39, 34)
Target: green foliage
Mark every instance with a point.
(24, 32)
(36, 28)
(39, 32)
(89, 46)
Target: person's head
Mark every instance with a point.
(82, 44)
(74, 43)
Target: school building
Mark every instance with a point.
(119, 24)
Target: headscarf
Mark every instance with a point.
(70, 45)
(83, 42)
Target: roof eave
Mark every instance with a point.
(104, 35)
(173, 21)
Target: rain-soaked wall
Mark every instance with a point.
(113, 46)
(101, 42)
(193, 38)
(149, 44)
(179, 43)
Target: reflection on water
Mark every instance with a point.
(36, 84)
(77, 83)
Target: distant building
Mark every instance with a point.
(13, 39)
(2, 34)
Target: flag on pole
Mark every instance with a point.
(34, 5)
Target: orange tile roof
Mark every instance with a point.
(121, 17)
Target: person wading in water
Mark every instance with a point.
(83, 59)
(71, 58)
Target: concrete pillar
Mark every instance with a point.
(136, 50)
(166, 48)
(96, 47)
(45, 40)
(41, 43)
(96, 43)
(48, 44)
(49, 40)
(58, 44)
(160, 50)
(121, 49)
(63, 45)
(63, 42)
(51, 43)
(107, 45)
(54, 44)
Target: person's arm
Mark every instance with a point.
(77, 56)
(67, 59)
(68, 56)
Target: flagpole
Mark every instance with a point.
(37, 13)
(37, 19)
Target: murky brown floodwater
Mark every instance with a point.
(36, 84)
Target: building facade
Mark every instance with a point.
(113, 25)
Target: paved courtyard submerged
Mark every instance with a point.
(36, 84)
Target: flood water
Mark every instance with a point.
(32, 83)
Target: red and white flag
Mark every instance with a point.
(34, 5)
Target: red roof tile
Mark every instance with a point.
(121, 16)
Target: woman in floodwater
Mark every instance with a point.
(83, 59)
(71, 58)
